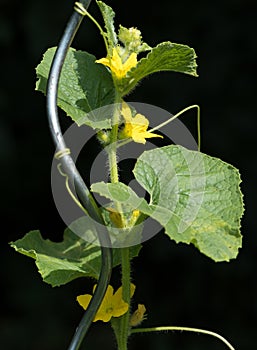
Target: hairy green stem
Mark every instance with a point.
(112, 148)
(124, 322)
(121, 325)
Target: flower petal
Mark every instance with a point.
(130, 63)
(120, 309)
(141, 136)
(140, 119)
(104, 61)
(102, 315)
(138, 316)
(149, 135)
(107, 300)
(132, 289)
(126, 112)
(138, 137)
(116, 60)
(118, 68)
(84, 300)
(118, 294)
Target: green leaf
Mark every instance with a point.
(60, 263)
(84, 86)
(166, 56)
(195, 197)
(108, 16)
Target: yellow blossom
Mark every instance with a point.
(138, 316)
(112, 305)
(135, 127)
(135, 215)
(117, 67)
(118, 220)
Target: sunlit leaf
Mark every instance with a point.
(84, 86)
(195, 197)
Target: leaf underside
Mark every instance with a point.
(62, 262)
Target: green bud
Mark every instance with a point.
(104, 137)
(132, 40)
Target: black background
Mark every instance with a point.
(177, 284)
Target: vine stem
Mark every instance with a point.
(121, 325)
(112, 148)
(124, 322)
(183, 329)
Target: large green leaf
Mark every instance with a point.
(84, 86)
(195, 197)
(166, 56)
(60, 263)
(108, 16)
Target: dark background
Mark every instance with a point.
(177, 284)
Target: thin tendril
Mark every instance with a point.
(177, 115)
(69, 189)
(186, 329)
(82, 11)
(62, 153)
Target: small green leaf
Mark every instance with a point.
(166, 56)
(60, 263)
(108, 16)
(195, 197)
(84, 86)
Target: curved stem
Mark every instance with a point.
(185, 329)
(70, 169)
(121, 327)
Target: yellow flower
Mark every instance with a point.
(112, 305)
(135, 127)
(135, 215)
(138, 316)
(118, 220)
(117, 67)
